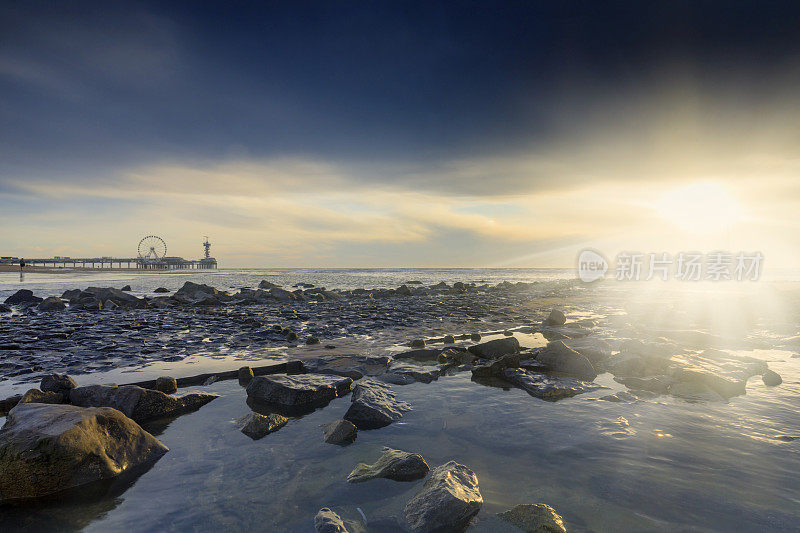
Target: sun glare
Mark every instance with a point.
(700, 208)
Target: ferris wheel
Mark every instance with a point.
(152, 248)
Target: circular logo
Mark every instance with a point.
(591, 266)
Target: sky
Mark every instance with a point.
(392, 134)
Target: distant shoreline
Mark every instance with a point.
(70, 270)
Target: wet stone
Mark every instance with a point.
(534, 518)
(167, 384)
(550, 388)
(298, 391)
(447, 501)
(396, 465)
(374, 405)
(340, 432)
(257, 426)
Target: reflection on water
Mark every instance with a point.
(603, 466)
(652, 464)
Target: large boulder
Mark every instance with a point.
(60, 383)
(53, 303)
(267, 285)
(22, 296)
(45, 449)
(392, 464)
(495, 348)
(534, 518)
(560, 358)
(548, 387)
(374, 405)
(298, 391)
(138, 403)
(447, 502)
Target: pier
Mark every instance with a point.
(152, 256)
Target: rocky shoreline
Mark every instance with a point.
(89, 330)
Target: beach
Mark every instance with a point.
(650, 391)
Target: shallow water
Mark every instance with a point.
(663, 464)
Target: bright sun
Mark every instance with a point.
(700, 208)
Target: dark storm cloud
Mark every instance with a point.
(89, 88)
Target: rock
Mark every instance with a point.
(547, 387)
(327, 521)
(417, 343)
(340, 432)
(22, 296)
(72, 294)
(167, 384)
(5, 309)
(420, 355)
(403, 290)
(289, 335)
(401, 374)
(495, 348)
(456, 355)
(267, 285)
(555, 318)
(196, 290)
(245, 374)
(374, 405)
(351, 366)
(659, 384)
(283, 295)
(727, 388)
(534, 518)
(8, 404)
(257, 426)
(694, 391)
(298, 391)
(625, 396)
(449, 339)
(45, 449)
(475, 337)
(626, 364)
(771, 378)
(392, 464)
(37, 396)
(312, 340)
(102, 294)
(138, 403)
(161, 290)
(60, 383)
(52, 303)
(496, 367)
(559, 358)
(594, 349)
(126, 288)
(447, 502)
